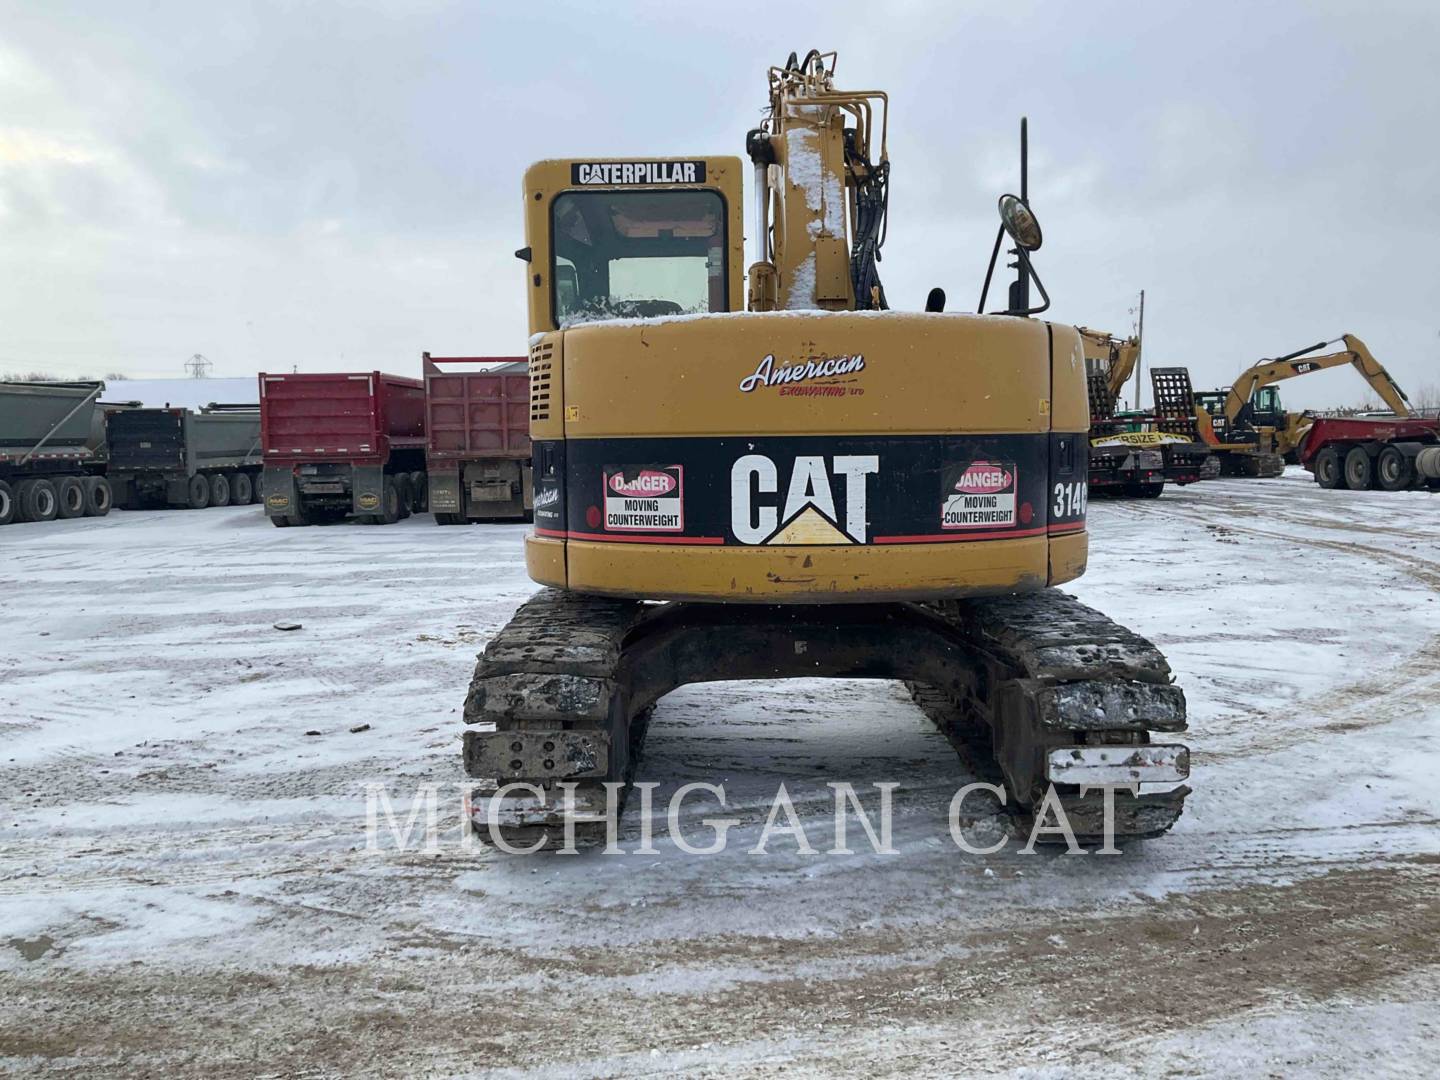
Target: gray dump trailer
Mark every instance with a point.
(52, 451)
(176, 457)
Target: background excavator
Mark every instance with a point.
(1249, 428)
(1136, 452)
(815, 486)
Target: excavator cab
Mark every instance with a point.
(632, 239)
(1266, 409)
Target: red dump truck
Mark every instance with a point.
(478, 427)
(1391, 453)
(342, 445)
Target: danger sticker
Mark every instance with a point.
(980, 495)
(644, 498)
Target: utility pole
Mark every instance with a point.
(1140, 350)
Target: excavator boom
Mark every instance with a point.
(1355, 353)
(1113, 357)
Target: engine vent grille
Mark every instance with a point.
(541, 364)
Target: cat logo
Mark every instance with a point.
(808, 514)
(621, 173)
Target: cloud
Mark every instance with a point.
(323, 185)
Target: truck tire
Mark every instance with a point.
(7, 503)
(389, 503)
(197, 492)
(257, 488)
(69, 497)
(1393, 470)
(36, 501)
(300, 518)
(241, 492)
(419, 492)
(1359, 470)
(219, 489)
(402, 487)
(99, 498)
(1329, 473)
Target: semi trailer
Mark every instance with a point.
(477, 424)
(1137, 452)
(336, 446)
(52, 451)
(1392, 453)
(178, 457)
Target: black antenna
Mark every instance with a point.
(1020, 287)
(1025, 160)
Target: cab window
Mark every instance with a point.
(1266, 400)
(637, 254)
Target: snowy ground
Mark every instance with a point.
(185, 886)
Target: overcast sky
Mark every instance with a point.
(338, 186)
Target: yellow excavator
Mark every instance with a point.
(773, 475)
(1248, 427)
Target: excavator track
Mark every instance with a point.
(550, 687)
(1065, 697)
(1265, 466)
(1062, 675)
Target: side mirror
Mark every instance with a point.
(1020, 223)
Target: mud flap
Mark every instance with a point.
(281, 497)
(444, 490)
(122, 492)
(367, 489)
(177, 489)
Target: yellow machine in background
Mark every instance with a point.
(1251, 431)
(815, 486)
(1110, 360)
(1135, 453)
